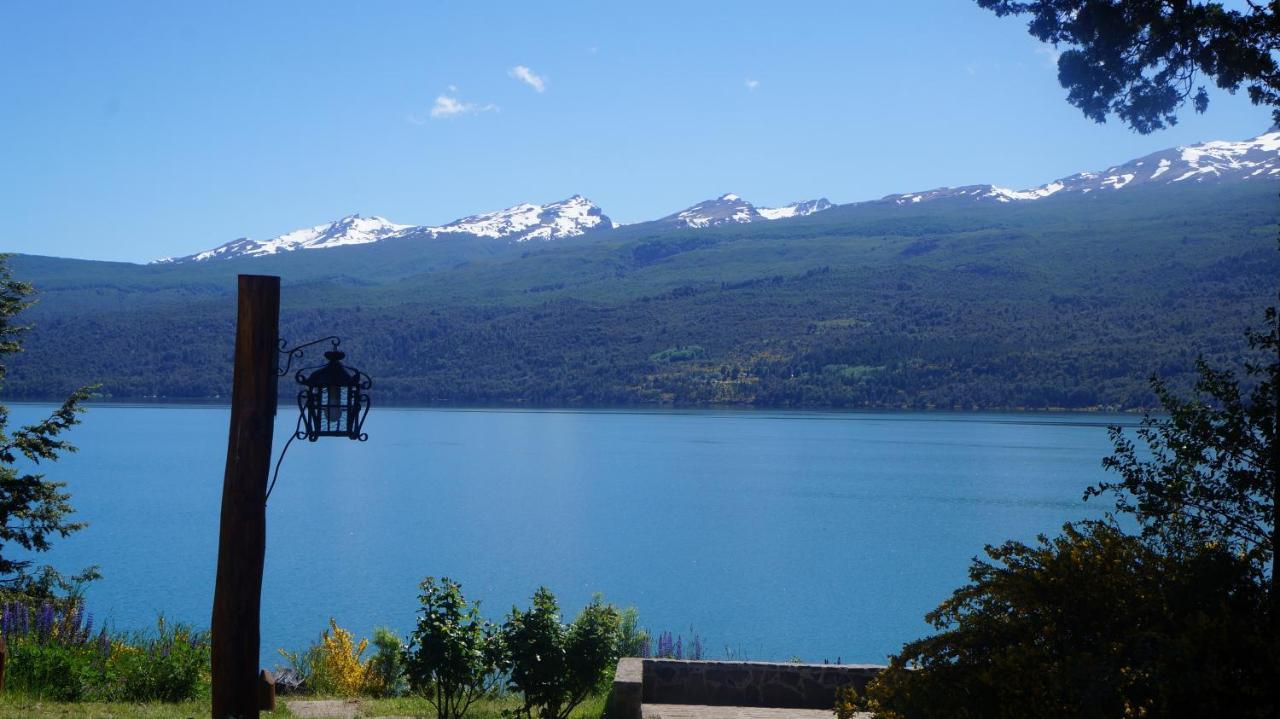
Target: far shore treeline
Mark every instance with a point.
(1067, 303)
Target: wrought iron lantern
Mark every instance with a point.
(333, 399)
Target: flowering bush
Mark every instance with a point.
(674, 647)
(335, 665)
(54, 653)
(171, 665)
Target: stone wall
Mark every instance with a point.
(758, 684)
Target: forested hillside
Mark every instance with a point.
(1065, 302)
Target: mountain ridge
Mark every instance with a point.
(1211, 161)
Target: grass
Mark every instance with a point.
(592, 708)
(17, 706)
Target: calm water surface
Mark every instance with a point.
(772, 535)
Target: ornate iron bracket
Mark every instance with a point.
(292, 353)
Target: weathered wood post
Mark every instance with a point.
(266, 691)
(242, 539)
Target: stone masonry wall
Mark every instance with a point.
(758, 684)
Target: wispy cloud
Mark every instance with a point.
(447, 106)
(528, 77)
(752, 84)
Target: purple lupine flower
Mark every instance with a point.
(104, 644)
(6, 621)
(45, 620)
(646, 647)
(664, 646)
(679, 650)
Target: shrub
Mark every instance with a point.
(557, 666)
(848, 703)
(633, 640)
(54, 654)
(335, 665)
(1093, 623)
(50, 653)
(170, 666)
(453, 655)
(387, 664)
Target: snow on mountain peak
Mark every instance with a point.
(349, 230)
(726, 209)
(729, 209)
(795, 209)
(566, 218)
(1204, 162)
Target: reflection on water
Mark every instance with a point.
(775, 534)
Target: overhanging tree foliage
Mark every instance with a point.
(1208, 473)
(1092, 623)
(33, 509)
(1141, 59)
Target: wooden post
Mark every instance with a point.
(266, 691)
(242, 539)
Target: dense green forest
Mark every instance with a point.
(1066, 302)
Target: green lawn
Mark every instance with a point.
(24, 707)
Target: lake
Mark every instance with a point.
(770, 534)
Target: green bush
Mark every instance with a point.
(1093, 623)
(556, 666)
(53, 654)
(170, 666)
(387, 664)
(51, 671)
(633, 640)
(453, 655)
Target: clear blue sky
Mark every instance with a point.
(130, 131)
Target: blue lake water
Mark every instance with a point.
(770, 534)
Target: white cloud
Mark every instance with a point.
(449, 106)
(528, 77)
(752, 84)
(446, 106)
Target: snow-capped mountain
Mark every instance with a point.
(1216, 161)
(350, 230)
(731, 209)
(795, 209)
(725, 209)
(520, 223)
(567, 218)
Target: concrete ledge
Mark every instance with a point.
(669, 683)
(698, 711)
(628, 689)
